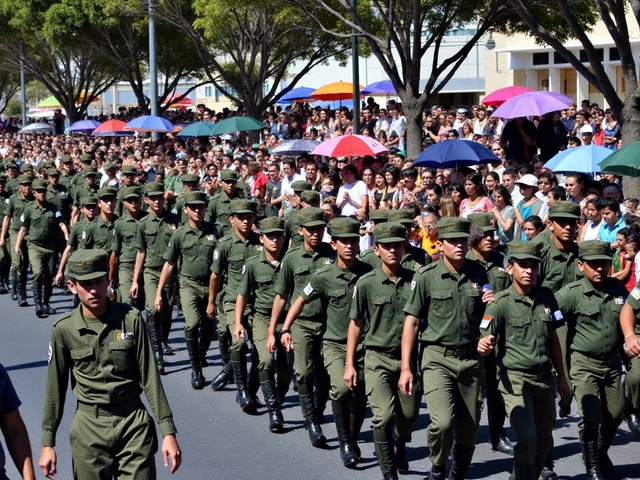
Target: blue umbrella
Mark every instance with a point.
(198, 129)
(300, 93)
(84, 126)
(454, 153)
(295, 147)
(334, 104)
(385, 87)
(149, 123)
(580, 159)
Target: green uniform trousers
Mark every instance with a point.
(452, 390)
(632, 381)
(194, 295)
(151, 278)
(19, 262)
(43, 262)
(334, 356)
(562, 333)
(388, 403)
(597, 386)
(307, 346)
(238, 347)
(125, 279)
(108, 446)
(268, 363)
(530, 404)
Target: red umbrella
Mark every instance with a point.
(497, 98)
(350, 146)
(111, 128)
(175, 101)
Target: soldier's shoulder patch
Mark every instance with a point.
(355, 291)
(413, 285)
(216, 254)
(308, 290)
(486, 321)
(50, 353)
(244, 268)
(635, 293)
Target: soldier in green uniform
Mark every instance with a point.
(11, 224)
(297, 267)
(40, 219)
(123, 249)
(520, 324)
(102, 227)
(153, 237)
(58, 194)
(450, 296)
(219, 208)
(128, 180)
(377, 310)
(13, 172)
(292, 237)
(104, 346)
(193, 244)
(333, 286)
(482, 251)
(90, 187)
(67, 171)
(173, 182)
(591, 309)
(630, 326)
(308, 198)
(190, 183)
(5, 258)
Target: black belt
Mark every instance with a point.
(456, 352)
(121, 409)
(41, 244)
(537, 376)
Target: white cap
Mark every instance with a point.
(586, 129)
(461, 111)
(529, 180)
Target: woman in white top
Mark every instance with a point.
(589, 230)
(353, 197)
(504, 213)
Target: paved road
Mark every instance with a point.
(220, 442)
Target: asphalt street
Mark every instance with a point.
(220, 442)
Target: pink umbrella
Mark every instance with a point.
(350, 146)
(532, 104)
(498, 97)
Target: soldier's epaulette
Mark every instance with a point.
(426, 268)
(64, 317)
(324, 268)
(294, 249)
(499, 295)
(368, 274)
(367, 252)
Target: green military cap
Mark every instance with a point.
(153, 188)
(131, 192)
(311, 217)
(272, 225)
(90, 170)
(86, 158)
(255, 146)
(389, 232)
(110, 166)
(41, 166)
(310, 196)
(453, 227)
(404, 216)
(190, 177)
(379, 216)
(88, 264)
(520, 250)
(229, 175)
(89, 201)
(66, 159)
(23, 179)
(50, 163)
(195, 198)
(10, 164)
(27, 167)
(107, 192)
(564, 209)
(301, 186)
(128, 169)
(595, 250)
(242, 205)
(3, 177)
(483, 221)
(53, 171)
(40, 184)
(344, 227)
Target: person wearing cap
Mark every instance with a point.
(11, 224)
(128, 180)
(521, 325)
(591, 308)
(112, 433)
(190, 183)
(449, 296)
(173, 182)
(88, 188)
(257, 284)
(586, 134)
(305, 336)
(153, 235)
(58, 194)
(110, 177)
(5, 257)
(68, 171)
(13, 172)
(102, 228)
(333, 286)
(292, 236)
(40, 219)
(123, 249)
(192, 244)
(219, 208)
(290, 175)
(230, 257)
(630, 326)
(376, 311)
(376, 217)
(529, 205)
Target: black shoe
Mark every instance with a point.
(503, 445)
(197, 379)
(223, 378)
(633, 422)
(3, 288)
(275, 421)
(548, 473)
(22, 302)
(167, 350)
(564, 410)
(347, 453)
(400, 457)
(49, 310)
(437, 472)
(316, 436)
(591, 460)
(240, 375)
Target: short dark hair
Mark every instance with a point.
(536, 221)
(559, 193)
(410, 172)
(608, 202)
(510, 171)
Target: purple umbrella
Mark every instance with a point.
(384, 87)
(84, 126)
(532, 104)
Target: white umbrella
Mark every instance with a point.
(38, 128)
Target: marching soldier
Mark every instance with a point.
(89, 188)
(190, 183)
(292, 236)
(128, 180)
(630, 326)
(5, 257)
(219, 208)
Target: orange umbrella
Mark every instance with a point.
(335, 91)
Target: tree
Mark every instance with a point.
(9, 86)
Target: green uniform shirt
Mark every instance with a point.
(82, 191)
(229, 259)
(451, 303)
(413, 258)
(66, 179)
(499, 279)
(4, 204)
(593, 317)
(378, 302)
(124, 237)
(80, 235)
(173, 183)
(522, 326)
(120, 200)
(634, 302)
(257, 284)
(195, 247)
(102, 232)
(15, 208)
(78, 180)
(291, 229)
(154, 236)
(219, 211)
(110, 360)
(13, 186)
(61, 198)
(178, 209)
(41, 222)
(297, 267)
(334, 287)
(558, 268)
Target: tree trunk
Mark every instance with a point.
(413, 138)
(630, 129)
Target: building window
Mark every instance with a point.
(585, 59)
(558, 58)
(541, 58)
(208, 92)
(614, 55)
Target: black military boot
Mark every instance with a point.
(253, 384)
(166, 329)
(311, 421)
(22, 291)
(14, 288)
(203, 348)
(226, 375)
(437, 472)
(275, 416)
(37, 298)
(47, 291)
(591, 460)
(547, 470)
(240, 376)
(400, 457)
(342, 421)
(633, 421)
(358, 414)
(156, 344)
(384, 452)
(524, 472)
(3, 282)
(605, 438)
(461, 461)
(282, 388)
(197, 379)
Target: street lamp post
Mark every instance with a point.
(23, 89)
(153, 67)
(356, 74)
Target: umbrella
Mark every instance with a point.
(84, 126)
(295, 147)
(580, 159)
(302, 94)
(498, 97)
(111, 128)
(237, 124)
(385, 87)
(350, 146)
(49, 102)
(334, 104)
(454, 153)
(625, 161)
(198, 129)
(38, 128)
(334, 91)
(176, 101)
(531, 104)
(149, 123)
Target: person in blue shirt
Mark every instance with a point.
(609, 208)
